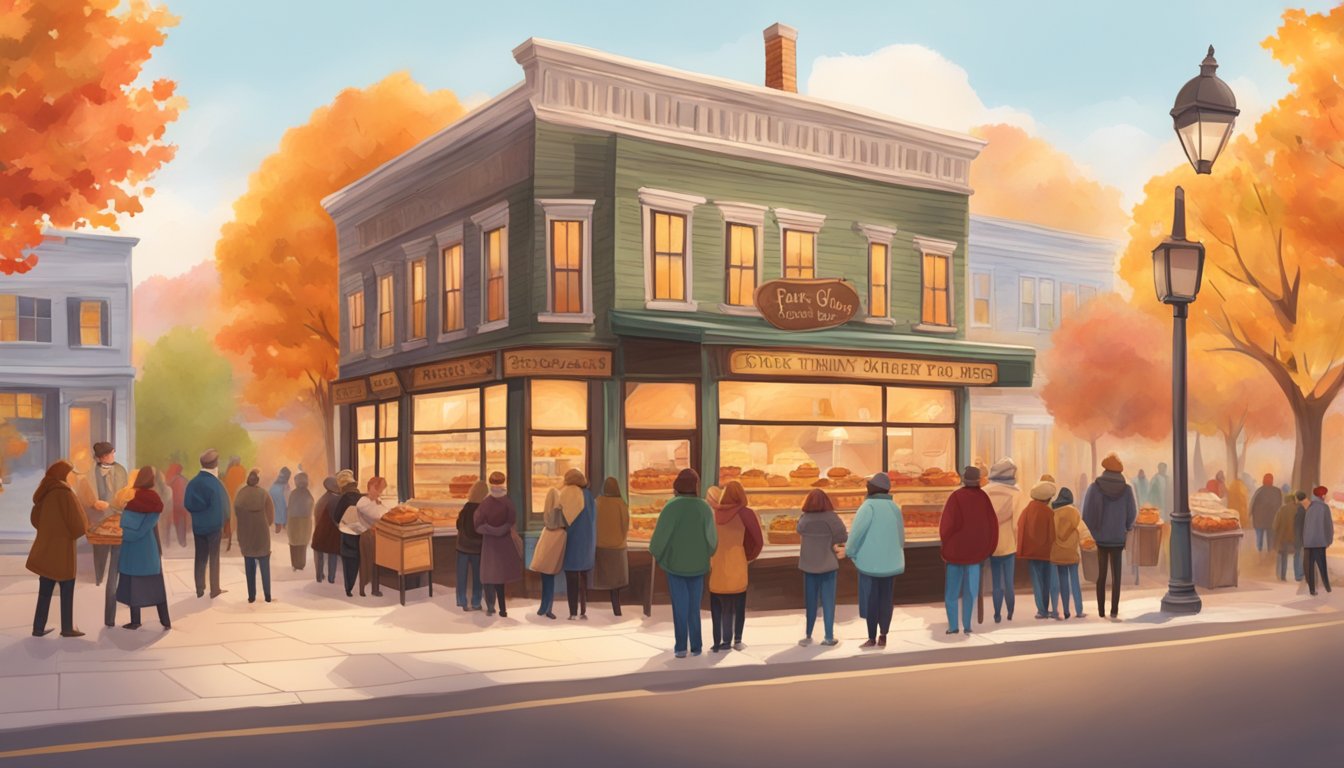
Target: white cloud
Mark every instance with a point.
(910, 82)
(1126, 157)
(175, 234)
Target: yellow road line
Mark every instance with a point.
(640, 694)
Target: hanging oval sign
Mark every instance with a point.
(797, 304)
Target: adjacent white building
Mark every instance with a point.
(66, 380)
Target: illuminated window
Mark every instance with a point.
(419, 299)
(1027, 291)
(91, 323)
(385, 307)
(878, 278)
(980, 299)
(742, 270)
(376, 429)
(21, 405)
(1046, 303)
(558, 435)
(567, 267)
(800, 254)
(459, 438)
(669, 256)
(355, 307)
(24, 318)
(453, 315)
(937, 292)
(493, 259)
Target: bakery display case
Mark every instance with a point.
(459, 438)
(654, 465)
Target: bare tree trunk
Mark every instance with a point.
(1309, 417)
(1093, 443)
(327, 414)
(1232, 456)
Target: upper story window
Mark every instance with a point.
(667, 220)
(454, 317)
(88, 323)
(419, 299)
(981, 299)
(494, 225)
(1027, 299)
(569, 259)
(21, 405)
(798, 242)
(879, 270)
(354, 305)
(25, 318)
(1045, 294)
(386, 305)
(936, 280)
(743, 224)
(1037, 299)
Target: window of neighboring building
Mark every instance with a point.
(981, 286)
(20, 405)
(494, 226)
(741, 242)
(669, 256)
(1027, 293)
(569, 277)
(25, 318)
(419, 299)
(936, 296)
(800, 254)
(879, 275)
(355, 307)
(453, 314)
(1068, 300)
(386, 297)
(1085, 295)
(91, 316)
(1046, 302)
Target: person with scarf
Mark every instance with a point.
(1035, 537)
(177, 484)
(1318, 533)
(683, 541)
(548, 556)
(253, 512)
(208, 504)
(279, 499)
(611, 564)
(1264, 504)
(1109, 512)
(326, 536)
(969, 531)
(1003, 494)
(501, 562)
(60, 522)
(299, 507)
(469, 549)
(1288, 536)
(140, 561)
(343, 508)
(580, 540)
(1064, 552)
(823, 536)
(234, 478)
(108, 478)
(877, 547)
(738, 529)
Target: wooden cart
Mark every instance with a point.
(1144, 547)
(1214, 557)
(405, 550)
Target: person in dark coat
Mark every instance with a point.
(140, 561)
(611, 564)
(208, 504)
(823, 536)
(350, 497)
(253, 515)
(1288, 535)
(1264, 505)
(501, 562)
(1318, 533)
(469, 549)
(580, 511)
(326, 537)
(1109, 512)
(969, 530)
(299, 528)
(59, 522)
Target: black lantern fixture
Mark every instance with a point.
(1204, 113)
(1178, 264)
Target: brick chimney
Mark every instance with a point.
(781, 58)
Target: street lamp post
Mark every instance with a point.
(1203, 116)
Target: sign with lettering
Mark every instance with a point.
(795, 304)
(779, 364)
(571, 363)
(385, 383)
(462, 370)
(353, 391)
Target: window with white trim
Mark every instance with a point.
(1038, 303)
(982, 309)
(354, 303)
(879, 270)
(798, 242)
(668, 263)
(1045, 295)
(569, 279)
(494, 226)
(386, 307)
(419, 300)
(1027, 300)
(936, 284)
(742, 240)
(454, 318)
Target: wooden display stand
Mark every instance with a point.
(1144, 547)
(1090, 567)
(1214, 557)
(405, 550)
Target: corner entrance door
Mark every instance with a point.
(88, 425)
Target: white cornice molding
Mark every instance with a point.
(801, 221)
(493, 217)
(566, 208)
(935, 246)
(419, 248)
(742, 213)
(876, 233)
(449, 236)
(674, 202)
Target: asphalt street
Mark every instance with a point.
(1265, 693)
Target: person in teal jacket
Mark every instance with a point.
(877, 547)
(682, 543)
(207, 502)
(280, 499)
(141, 570)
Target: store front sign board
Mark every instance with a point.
(563, 363)
(782, 365)
(386, 383)
(462, 370)
(353, 391)
(807, 305)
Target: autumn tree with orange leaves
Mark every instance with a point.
(277, 258)
(78, 140)
(1233, 398)
(1271, 220)
(1108, 373)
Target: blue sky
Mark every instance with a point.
(1095, 78)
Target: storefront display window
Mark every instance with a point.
(921, 406)
(459, 438)
(773, 401)
(559, 435)
(660, 406)
(661, 420)
(376, 443)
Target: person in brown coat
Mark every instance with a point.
(611, 567)
(1035, 539)
(59, 522)
(326, 537)
(253, 515)
(501, 560)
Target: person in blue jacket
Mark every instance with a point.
(877, 546)
(141, 570)
(207, 502)
(580, 510)
(280, 499)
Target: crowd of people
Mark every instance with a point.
(698, 542)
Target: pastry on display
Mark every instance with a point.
(805, 473)
(903, 478)
(402, 515)
(921, 518)
(652, 480)
(754, 478)
(642, 527)
(836, 473)
(938, 478)
(646, 509)
(1148, 516)
(777, 481)
(461, 484)
(824, 482)
(545, 481)
(1210, 524)
(729, 473)
(783, 529)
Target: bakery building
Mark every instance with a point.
(628, 269)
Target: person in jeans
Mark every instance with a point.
(253, 516)
(469, 550)
(1109, 511)
(823, 538)
(548, 555)
(369, 510)
(580, 509)
(969, 531)
(1065, 554)
(326, 536)
(60, 522)
(683, 541)
(1003, 494)
(501, 562)
(208, 504)
(345, 508)
(140, 558)
(1318, 533)
(1035, 536)
(1288, 535)
(740, 540)
(877, 546)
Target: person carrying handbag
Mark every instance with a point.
(549, 555)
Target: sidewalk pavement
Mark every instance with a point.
(314, 645)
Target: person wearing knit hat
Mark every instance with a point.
(1064, 552)
(1035, 537)
(1264, 505)
(683, 541)
(877, 546)
(208, 503)
(1004, 495)
(969, 531)
(326, 536)
(1109, 512)
(1318, 533)
(501, 550)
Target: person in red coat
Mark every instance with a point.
(970, 532)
